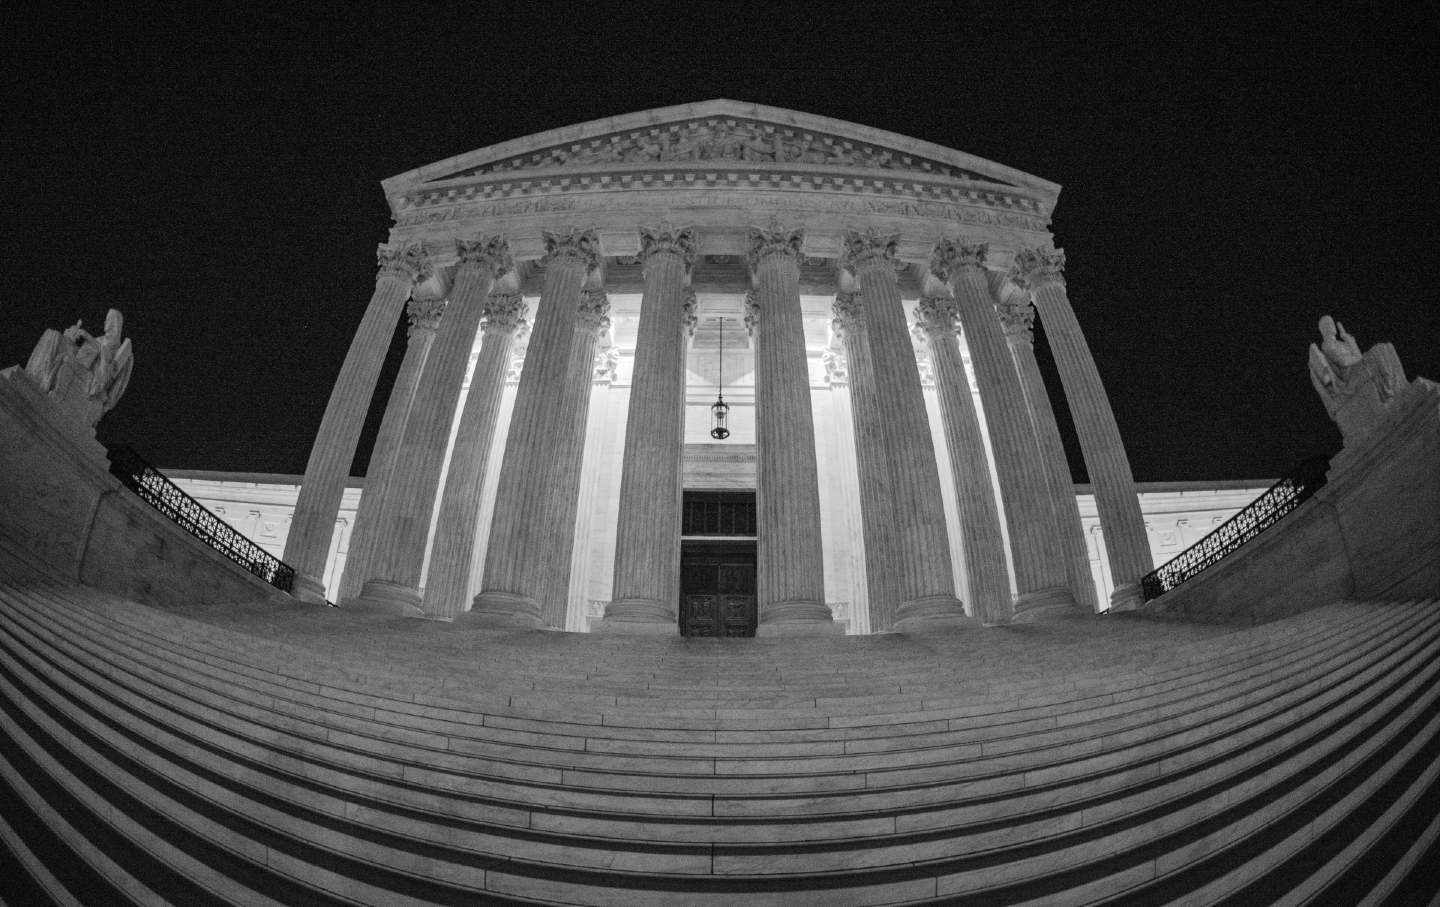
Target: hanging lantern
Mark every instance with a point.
(720, 410)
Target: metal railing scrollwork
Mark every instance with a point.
(1260, 514)
(165, 496)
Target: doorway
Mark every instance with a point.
(717, 564)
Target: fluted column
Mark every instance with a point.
(927, 581)
(982, 537)
(1017, 317)
(647, 543)
(1126, 542)
(404, 525)
(550, 575)
(448, 585)
(877, 492)
(518, 539)
(1040, 580)
(790, 565)
(424, 318)
(307, 547)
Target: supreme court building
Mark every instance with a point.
(578, 301)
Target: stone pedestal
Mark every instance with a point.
(1126, 543)
(308, 544)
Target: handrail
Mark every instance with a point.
(1257, 516)
(189, 514)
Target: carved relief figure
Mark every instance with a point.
(1331, 361)
(84, 372)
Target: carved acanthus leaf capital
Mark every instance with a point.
(572, 245)
(937, 315)
(408, 263)
(870, 249)
(690, 311)
(1017, 316)
(594, 311)
(504, 313)
(606, 364)
(849, 311)
(837, 366)
(752, 312)
(667, 239)
(1036, 268)
(424, 314)
(775, 240)
(951, 256)
(490, 253)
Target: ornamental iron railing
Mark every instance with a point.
(1257, 516)
(189, 514)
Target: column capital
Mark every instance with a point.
(594, 311)
(504, 313)
(666, 238)
(950, 256)
(775, 240)
(849, 311)
(424, 315)
(485, 252)
(752, 311)
(1036, 268)
(690, 312)
(606, 364)
(937, 315)
(869, 249)
(574, 245)
(1017, 316)
(837, 367)
(409, 263)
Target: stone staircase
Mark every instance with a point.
(259, 754)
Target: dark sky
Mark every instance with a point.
(1229, 174)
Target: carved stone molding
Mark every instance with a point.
(690, 309)
(409, 263)
(952, 255)
(849, 311)
(1036, 268)
(504, 313)
(752, 312)
(665, 238)
(869, 249)
(1017, 316)
(492, 252)
(937, 315)
(775, 240)
(594, 310)
(424, 314)
(573, 244)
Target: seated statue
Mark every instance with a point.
(1355, 387)
(82, 373)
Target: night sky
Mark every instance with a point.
(1229, 175)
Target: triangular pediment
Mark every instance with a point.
(717, 133)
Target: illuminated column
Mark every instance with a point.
(921, 542)
(424, 317)
(307, 546)
(518, 537)
(647, 544)
(1034, 545)
(877, 518)
(1017, 317)
(791, 566)
(983, 539)
(394, 581)
(447, 586)
(1126, 543)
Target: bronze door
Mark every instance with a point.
(717, 593)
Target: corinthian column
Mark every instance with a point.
(983, 539)
(647, 541)
(394, 581)
(877, 492)
(921, 542)
(1040, 578)
(519, 540)
(448, 588)
(424, 318)
(307, 546)
(791, 568)
(1126, 543)
(1017, 317)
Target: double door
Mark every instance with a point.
(717, 589)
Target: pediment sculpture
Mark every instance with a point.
(1354, 386)
(84, 375)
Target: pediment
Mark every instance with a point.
(717, 133)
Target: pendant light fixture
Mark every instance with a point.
(720, 410)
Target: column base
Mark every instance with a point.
(308, 589)
(1056, 601)
(1128, 597)
(800, 617)
(931, 612)
(502, 609)
(380, 596)
(638, 617)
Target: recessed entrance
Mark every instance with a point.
(717, 564)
